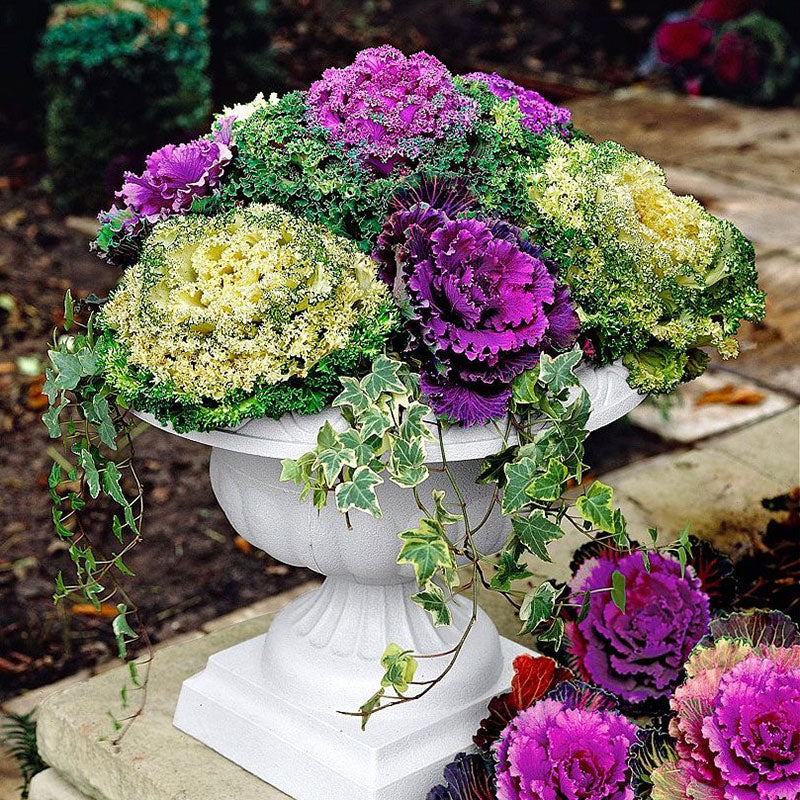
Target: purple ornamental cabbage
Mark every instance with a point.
(537, 113)
(560, 749)
(638, 655)
(385, 105)
(174, 176)
(482, 303)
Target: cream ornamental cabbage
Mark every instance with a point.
(250, 296)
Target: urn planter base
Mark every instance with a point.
(315, 753)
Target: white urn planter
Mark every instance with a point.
(271, 704)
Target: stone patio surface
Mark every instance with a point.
(743, 164)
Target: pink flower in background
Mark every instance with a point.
(386, 105)
(724, 10)
(737, 62)
(683, 40)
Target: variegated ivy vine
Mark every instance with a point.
(541, 456)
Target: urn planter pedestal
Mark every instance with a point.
(272, 704)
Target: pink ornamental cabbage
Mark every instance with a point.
(175, 175)
(387, 106)
(557, 750)
(737, 718)
(638, 655)
(537, 113)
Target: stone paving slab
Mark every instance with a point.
(714, 403)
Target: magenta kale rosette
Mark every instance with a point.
(537, 113)
(387, 106)
(174, 176)
(482, 303)
(737, 717)
(638, 655)
(572, 745)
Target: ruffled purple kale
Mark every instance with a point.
(174, 176)
(565, 749)
(466, 778)
(386, 106)
(638, 655)
(537, 113)
(482, 302)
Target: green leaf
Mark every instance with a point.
(54, 479)
(519, 475)
(618, 590)
(413, 426)
(585, 606)
(620, 534)
(441, 514)
(326, 436)
(133, 671)
(536, 532)
(557, 372)
(123, 567)
(400, 668)
(508, 572)
(86, 461)
(537, 606)
(427, 550)
(433, 601)
(332, 459)
(88, 361)
(291, 471)
(51, 419)
(525, 389)
(548, 487)
(111, 483)
(68, 369)
(353, 440)
(359, 493)
(69, 311)
(370, 707)
(105, 427)
(493, 467)
(407, 462)
(116, 528)
(596, 506)
(374, 423)
(353, 395)
(383, 378)
(122, 630)
(554, 634)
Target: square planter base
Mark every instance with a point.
(317, 754)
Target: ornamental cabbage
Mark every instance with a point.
(654, 276)
(244, 299)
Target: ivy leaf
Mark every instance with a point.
(359, 493)
(370, 707)
(374, 422)
(383, 378)
(492, 468)
(525, 389)
(122, 629)
(407, 462)
(427, 550)
(88, 361)
(102, 419)
(353, 440)
(433, 601)
(554, 634)
(326, 436)
(441, 514)
(618, 596)
(111, 483)
(519, 475)
(352, 395)
(537, 607)
(332, 459)
(620, 533)
(557, 372)
(51, 419)
(400, 668)
(68, 369)
(413, 425)
(548, 487)
(69, 311)
(86, 461)
(536, 532)
(596, 506)
(508, 572)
